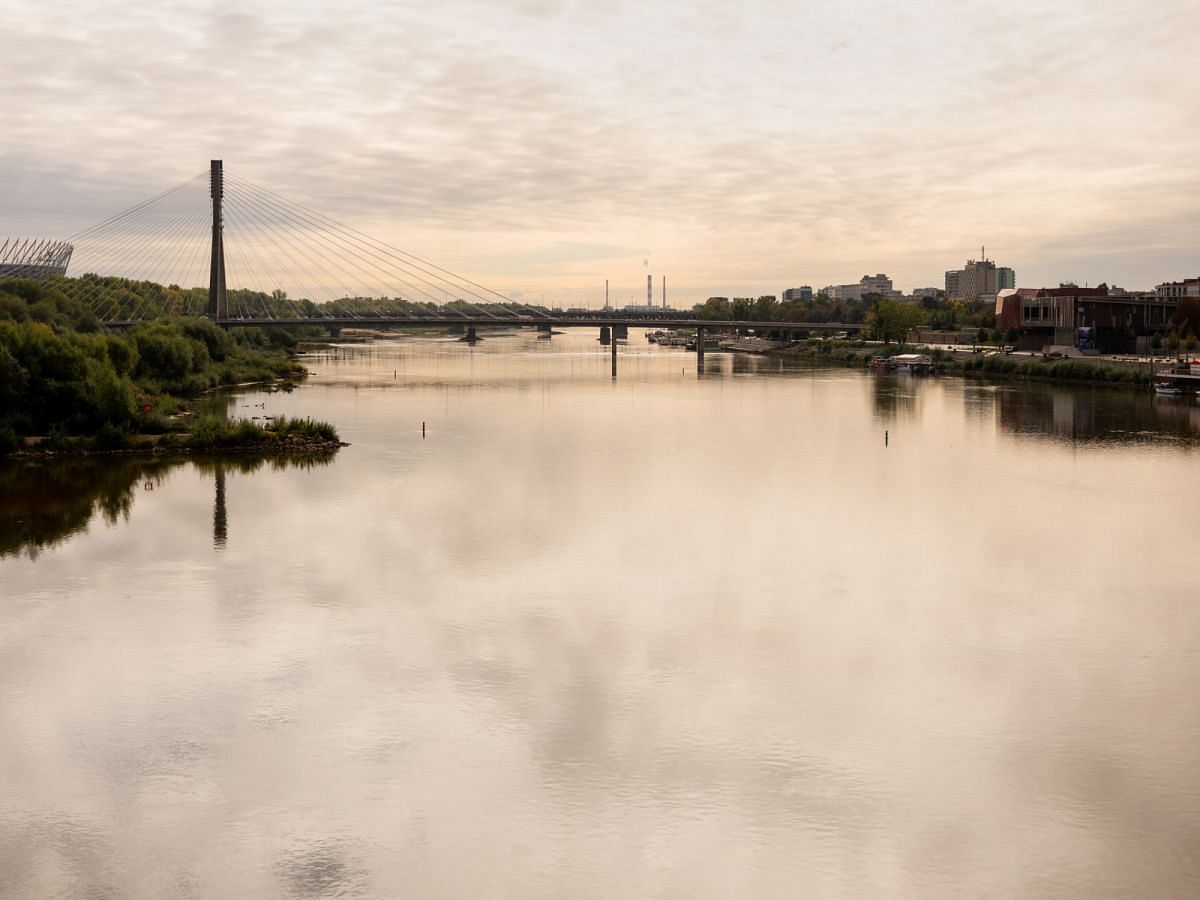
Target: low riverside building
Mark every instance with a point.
(1087, 318)
(804, 292)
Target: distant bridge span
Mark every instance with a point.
(554, 321)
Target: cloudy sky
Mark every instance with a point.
(541, 146)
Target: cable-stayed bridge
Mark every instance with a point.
(149, 261)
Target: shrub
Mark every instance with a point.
(216, 340)
(8, 440)
(111, 437)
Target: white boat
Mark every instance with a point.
(917, 363)
(1168, 390)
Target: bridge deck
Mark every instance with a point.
(553, 321)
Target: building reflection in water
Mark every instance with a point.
(1081, 414)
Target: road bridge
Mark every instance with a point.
(247, 236)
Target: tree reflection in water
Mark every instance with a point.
(43, 502)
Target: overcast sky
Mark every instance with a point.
(541, 146)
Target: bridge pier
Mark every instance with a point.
(620, 331)
(471, 337)
(605, 335)
(544, 329)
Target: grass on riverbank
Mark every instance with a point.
(211, 433)
(859, 354)
(206, 434)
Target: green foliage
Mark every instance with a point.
(892, 321)
(9, 441)
(217, 342)
(165, 354)
(304, 428)
(1062, 370)
(211, 433)
(122, 353)
(57, 379)
(111, 437)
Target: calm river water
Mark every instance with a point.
(666, 636)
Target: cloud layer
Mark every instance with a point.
(543, 146)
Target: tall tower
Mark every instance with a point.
(218, 303)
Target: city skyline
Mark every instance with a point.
(543, 147)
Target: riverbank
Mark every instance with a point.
(209, 435)
(68, 386)
(985, 364)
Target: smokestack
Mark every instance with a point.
(649, 290)
(664, 292)
(606, 293)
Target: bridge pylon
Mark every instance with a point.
(218, 302)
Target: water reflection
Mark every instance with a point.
(220, 518)
(895, 397)
(44, 502)
(655, 637)
(1090, 415)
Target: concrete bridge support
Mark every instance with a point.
(605, 335)
(472, 337)
(218, 302)
(544, 329)
(621, 331)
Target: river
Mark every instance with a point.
(772, 631)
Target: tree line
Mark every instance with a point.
(61, 374)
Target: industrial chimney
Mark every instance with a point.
(650, 290)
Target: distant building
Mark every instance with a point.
(877, 284)
(868, 284)
(977, 280)
(1006, 279)
(1177, 290)
(804, 292)
(926, 293)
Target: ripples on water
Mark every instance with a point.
(668, 636)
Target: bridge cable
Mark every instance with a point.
(355, 249)
(252, 213)
(129, 245)
(354, 239)
(350, 292)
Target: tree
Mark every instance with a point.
(713, 308)
(764, 308)
(890, 320)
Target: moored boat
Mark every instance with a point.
(917, 363)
